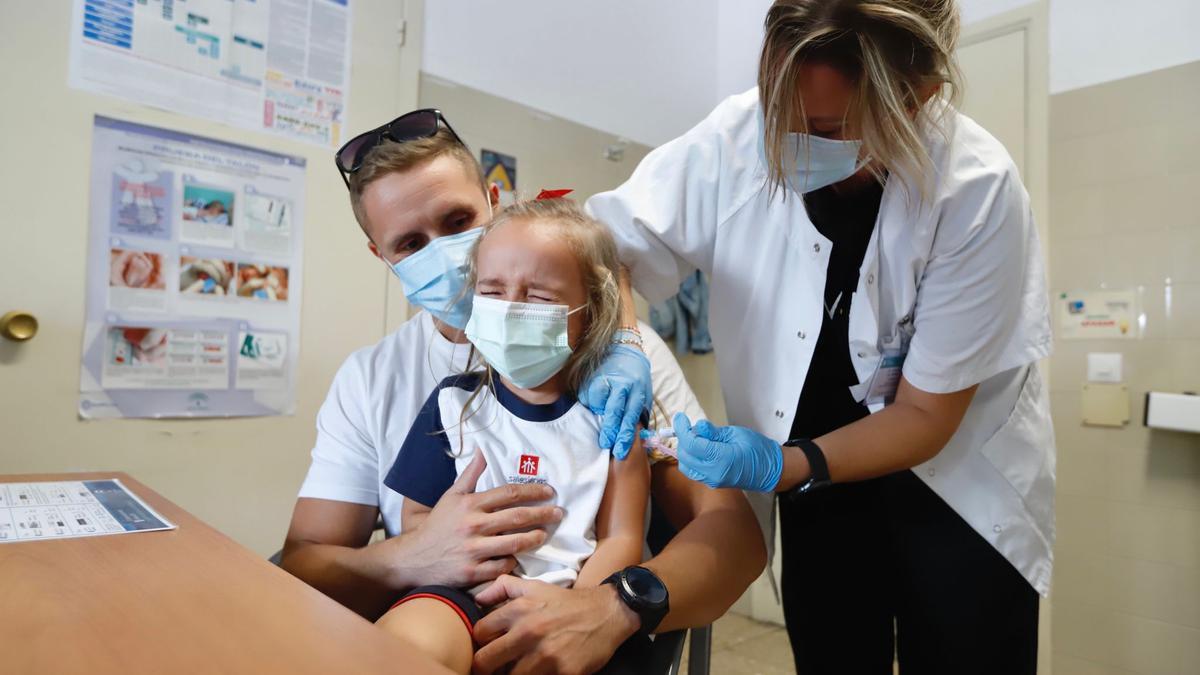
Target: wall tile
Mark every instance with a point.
(1188, 650)
(1137, 259)
(1113, 158)
(1082, 473)
(1092, 111)
(1083, 630)
(1185, 251)
(1165, 472)
(1146, 369)
(1142, 532)
(1183, 312)
(1077, 264)
(1183, 150)
(1140, 206)
(1147, 589)
(1071, 665)
(1082, 525)
(1184, 357)
(1144, 645)
(1081, 577)
(1077, 213)
(1153, 298)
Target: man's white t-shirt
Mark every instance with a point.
(378, 391)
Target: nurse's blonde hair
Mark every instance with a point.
(895, 52)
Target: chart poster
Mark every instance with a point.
(1099, 315)
(281, 66)
(194, 276)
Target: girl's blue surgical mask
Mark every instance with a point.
(525, 342)
(435, 276)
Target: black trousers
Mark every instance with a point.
(885, 567)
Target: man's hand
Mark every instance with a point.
(469, 538)
(546, 629)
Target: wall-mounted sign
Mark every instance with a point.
(1098, 315)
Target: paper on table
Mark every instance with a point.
(62, 510)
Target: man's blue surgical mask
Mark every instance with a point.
(434, 277)
(524, 342)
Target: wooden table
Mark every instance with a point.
(186, 601)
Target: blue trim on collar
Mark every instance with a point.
(532, 412)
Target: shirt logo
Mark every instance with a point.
(528, 465)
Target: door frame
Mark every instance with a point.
(1033, 20)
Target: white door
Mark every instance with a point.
(239, 475)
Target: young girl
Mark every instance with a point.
(544, 314)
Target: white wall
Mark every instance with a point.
(643, 70)
(739, 39)
(650, 70)
(1096, 41)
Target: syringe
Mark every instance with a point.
(656, 439)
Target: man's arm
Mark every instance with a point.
(466, 539)
(718, 538)
(326, 547)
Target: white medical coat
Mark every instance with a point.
(959, 272)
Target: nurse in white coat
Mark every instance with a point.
(878, 311)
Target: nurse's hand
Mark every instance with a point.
(728, 457)
(620, 390)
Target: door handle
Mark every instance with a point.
(18, 326)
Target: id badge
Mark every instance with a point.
(886, 378)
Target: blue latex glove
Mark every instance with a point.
(728, 457)
(620, 391)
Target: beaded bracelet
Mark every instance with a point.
(628, 336)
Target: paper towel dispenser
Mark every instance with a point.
(1177, 412)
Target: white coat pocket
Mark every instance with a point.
(1022, 449)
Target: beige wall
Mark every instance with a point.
(1125, 171)
(239, 475)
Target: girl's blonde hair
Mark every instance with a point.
(596, 252)
(894, 51)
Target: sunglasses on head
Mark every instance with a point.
(407, 127)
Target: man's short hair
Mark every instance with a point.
(391, 157)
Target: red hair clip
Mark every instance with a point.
(553, 194)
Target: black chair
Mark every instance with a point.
(666, 653)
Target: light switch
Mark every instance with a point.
(1104, 366)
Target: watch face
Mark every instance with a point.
(646, 586)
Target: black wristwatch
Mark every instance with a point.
(818, 470)
(643, 592)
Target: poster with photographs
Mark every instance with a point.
(194, 276)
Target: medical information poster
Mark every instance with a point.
(193, 278)
(281, 66)
(32, 511)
